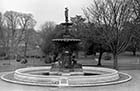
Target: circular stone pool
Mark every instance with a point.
(91, 76)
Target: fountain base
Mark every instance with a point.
(91, 76)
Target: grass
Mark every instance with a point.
(126, 62)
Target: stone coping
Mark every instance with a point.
(23, 71)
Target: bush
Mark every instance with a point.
(48, 60)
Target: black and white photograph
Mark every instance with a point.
(69, 45)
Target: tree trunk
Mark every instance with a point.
(25, 50)
(85, 54)
(134, 52)
(26, 44)
(99, 60)
(115, 57)
(77, 54)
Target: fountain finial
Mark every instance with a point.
(66, 14)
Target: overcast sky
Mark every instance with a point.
(45, 10)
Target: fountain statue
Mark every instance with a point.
(66, 15)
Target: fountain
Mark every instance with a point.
(66, 63)
(66, 71)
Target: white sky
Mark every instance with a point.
(45, 10)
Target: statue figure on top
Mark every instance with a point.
(66, 14)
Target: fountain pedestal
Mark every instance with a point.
(66, 64)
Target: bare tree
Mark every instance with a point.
(1, 20)
(11, 22)
(111, 18)
(136, 22)
(47, 33)
(1, 24)
(26, 23)
(18, 25)
(47, 28)
(2, 37)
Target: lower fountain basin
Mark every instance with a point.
(94, 75)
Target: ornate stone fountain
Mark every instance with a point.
(66, 62)
(66, 71)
